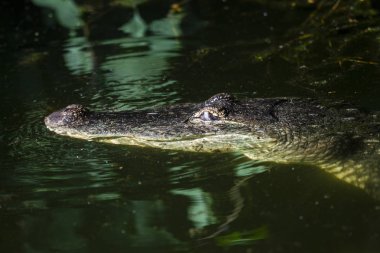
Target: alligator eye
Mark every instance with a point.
(208, 116)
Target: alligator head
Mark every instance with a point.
(219, 124)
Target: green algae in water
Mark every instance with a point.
(239, 238)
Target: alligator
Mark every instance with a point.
(333, 135)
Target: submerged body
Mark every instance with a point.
(335, 136)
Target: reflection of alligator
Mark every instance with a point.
(333, 135)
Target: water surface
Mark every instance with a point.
(64, 195)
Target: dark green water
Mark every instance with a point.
(63, 195)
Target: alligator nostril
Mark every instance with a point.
(55, 118)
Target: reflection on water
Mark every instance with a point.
(136, 27)
(66, 13)
(78, 56)
(199, 211)
(137, 68)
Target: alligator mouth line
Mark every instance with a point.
(148, 140)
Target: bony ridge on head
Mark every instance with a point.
(74, 112)
(220, 98)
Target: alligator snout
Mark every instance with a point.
(70, 115)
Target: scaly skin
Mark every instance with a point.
(339, 138)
